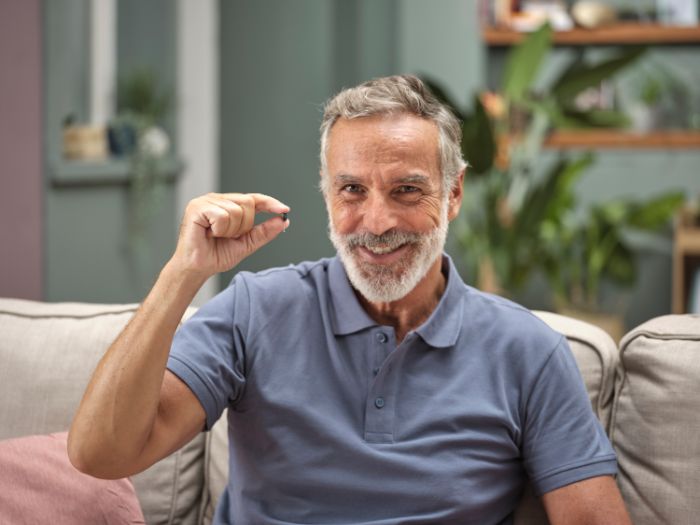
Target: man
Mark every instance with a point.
(374, 387)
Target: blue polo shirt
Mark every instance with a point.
(331, 422)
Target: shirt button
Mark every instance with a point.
(381, 337)
(379, 402)
(375, 371)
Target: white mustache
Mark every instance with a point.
(384, 243)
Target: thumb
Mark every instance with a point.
(264, 232)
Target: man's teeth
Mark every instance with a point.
(381, 250)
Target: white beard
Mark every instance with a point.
(387, 283)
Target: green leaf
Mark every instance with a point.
(524, 62)
(620, 266)
(478, 142)
(582, 76)
(140, 94)
(597, 118)
(441, 94)
(553, 197)
(611, 213)
(654, 213)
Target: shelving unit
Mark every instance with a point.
(686, 250)
(619, 35)
(111, 172)
(686, 260)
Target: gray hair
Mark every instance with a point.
(394, 95)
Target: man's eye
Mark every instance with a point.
(407, 189)
(352, 188)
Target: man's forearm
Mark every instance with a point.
(120, 405)
(130, 416)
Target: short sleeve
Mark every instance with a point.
(208, 350)
(563, 441)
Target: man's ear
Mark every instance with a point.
(456, 194)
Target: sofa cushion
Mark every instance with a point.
(48, 352)
(39, 485)
(216, 466)
(656, 420)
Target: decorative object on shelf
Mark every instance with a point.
(659, 97)
(592, 14)
(525, 15)
(644, 111)
(121, 134)
(678, 12)
(533, 13)
(510, 199)
(83, 142)
(136, 132)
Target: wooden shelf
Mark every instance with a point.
(109, 172)
(611, 139)
(618, 34)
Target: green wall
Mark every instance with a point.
(281, 60)
(88, 253)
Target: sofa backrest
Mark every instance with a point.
(47, 355)
(655, 425)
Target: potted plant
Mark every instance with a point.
(583, 251)
(644, 111)
(136, 132)
(509, 196)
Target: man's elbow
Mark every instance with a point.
(88, 461)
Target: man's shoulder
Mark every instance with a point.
(507, 323)
(284, 274)
(285, 284)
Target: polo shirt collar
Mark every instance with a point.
(348, 315)
(442, 328)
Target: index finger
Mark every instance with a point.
(262, 202)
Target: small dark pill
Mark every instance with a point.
(284, 216)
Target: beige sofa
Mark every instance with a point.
(647, 395)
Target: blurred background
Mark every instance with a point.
(115, 113)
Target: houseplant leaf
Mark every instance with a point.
(582, 76)
(654, 213)
(524, 62)
(549, 201)
(620, 265)
(478, 141)
(441, 94)
(596, 118)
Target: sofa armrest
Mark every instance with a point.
(656, 420)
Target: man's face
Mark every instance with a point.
(388, 212)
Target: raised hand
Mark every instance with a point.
(218, 230)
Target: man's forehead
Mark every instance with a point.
(386, 123)
(385, 139)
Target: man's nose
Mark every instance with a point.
(379, 216)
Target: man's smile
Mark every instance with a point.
(382, 254)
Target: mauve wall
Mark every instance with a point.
(20, 149)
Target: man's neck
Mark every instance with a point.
(409, 312)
